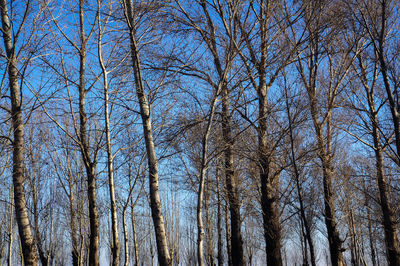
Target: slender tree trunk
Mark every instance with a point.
(200, 227)
(353, 251)
(322, 121)
(200, 195)
(393, 103)
(42, 256)
(388, 214)
(135, 244)
(27, 241)
(35, 181)
(90, 165)
(93, 217)
(10, 230)
(231, 182)
(83, 246)
(75, 249)
(228, 236)
(220, 256)
(125, 232)
(164, 257)
(209, 235)
(370, 235)
(303, 217)
(303, 243)
(325, 154)
(115, 250)
(389, 220)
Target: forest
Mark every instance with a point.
(200, 132)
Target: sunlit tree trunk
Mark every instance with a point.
(115, 249)
(26, 237)
(164, 257)
(90, 165)
(389, 220)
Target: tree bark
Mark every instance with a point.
(164, 257)
(231, 182)
(209, 230)
(10, 229)
(75, 246)
(90, 165)
(324, 145)
(389, 219)
(228, 235)
(220, 256)
(370, 235)
(115, 249)
(44, 259)
(388, 214)
(203, 169)
(303, 217)
(393, 103)
(24, 228)
(269, 181)
(125, 232)
(135, 243)
(335, 243)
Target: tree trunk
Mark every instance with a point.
(325, 154)
(220, 256)
(115, 249)
(389, 220)
(393, 103)
(93, 218)
(303, 217)
(27, 241)
(125, 232)
(164, 257)
(370, 235)
(203, 169)
(90, 165)
(10, 230)
(269, 183)
(228, 236)
(209, 231)
(75, 249)
(135, 244)
(42, 256)
(335, 243)
(388, 214)
(231, 182)
(200, 227)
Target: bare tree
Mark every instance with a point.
(371, 104)
(295, 156)
(10, 36)
(265, 55)
(131, 15)
(115, 248)
(323, 85)
(223, 54)
(80, 133)
(379, 20)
